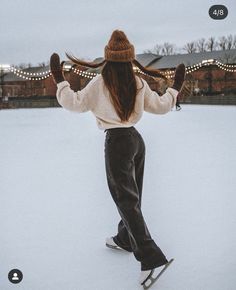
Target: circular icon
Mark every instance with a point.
(218, 12)
(15, 276)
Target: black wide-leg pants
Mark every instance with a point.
(124, 161)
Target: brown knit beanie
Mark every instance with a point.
(119, 49)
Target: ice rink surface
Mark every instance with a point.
(56, 210)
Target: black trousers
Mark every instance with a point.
(124, 161)
(177, 105)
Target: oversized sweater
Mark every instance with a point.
(95, 98)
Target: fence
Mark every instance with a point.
(29, 102)
(210, 100)
(51, 101)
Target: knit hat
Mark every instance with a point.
(119, 49)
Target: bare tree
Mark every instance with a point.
(43, 64)
(211, 44)
(234, 42)
(222, 42)
(201, 45)
(157, 49)
(229, 43)
(147, 51)
(190, 47)
(167, 48)
(22, 65)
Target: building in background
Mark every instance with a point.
(211, 79)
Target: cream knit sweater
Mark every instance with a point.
(95, 97)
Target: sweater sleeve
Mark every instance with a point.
(79, 101)
(153, 103)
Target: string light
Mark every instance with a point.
(168, 73)
(29, 75)
(82, 73)
(226, 67)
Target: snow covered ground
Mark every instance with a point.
(56, 210)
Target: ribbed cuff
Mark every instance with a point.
(61, 84)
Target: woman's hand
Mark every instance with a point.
(179, 77)
(56, 68)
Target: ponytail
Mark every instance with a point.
(148, 71)
(77, 61)
(151, 72)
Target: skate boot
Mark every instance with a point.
(110, 243)
(149, 277)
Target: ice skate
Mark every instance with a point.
(112, 245)
(149, 277)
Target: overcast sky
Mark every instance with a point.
(30, 30)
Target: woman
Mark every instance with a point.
(177, 105)
(118, 98)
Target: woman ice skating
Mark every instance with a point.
(118, 98)
(177, 105)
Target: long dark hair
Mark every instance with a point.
(119, 79)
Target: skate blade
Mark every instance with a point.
(114, 247)
(150, 280)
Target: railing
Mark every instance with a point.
(29, 102)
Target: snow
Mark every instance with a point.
(56, 210)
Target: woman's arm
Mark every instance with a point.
(153, 103)
(70, 100)
(67, 98)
